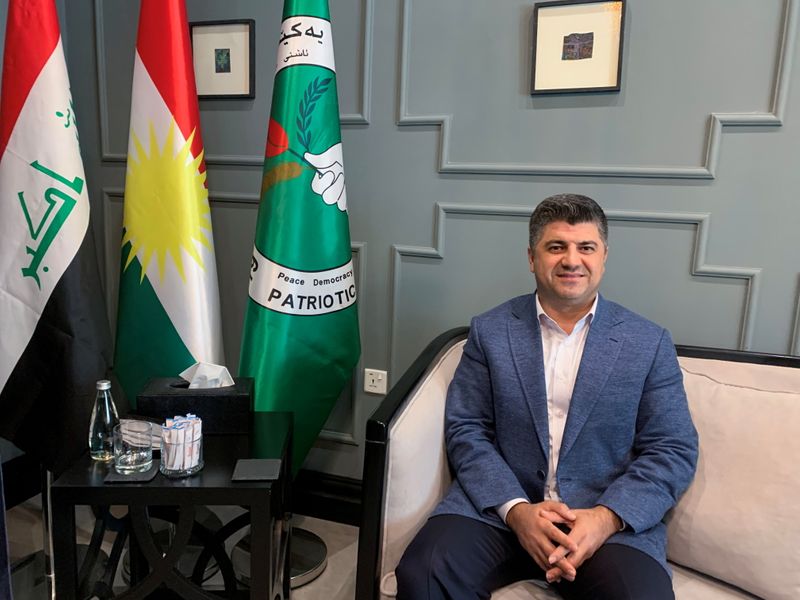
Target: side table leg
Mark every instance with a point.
(64, 557)
(136, 559)
(287, 561)
(261, 575)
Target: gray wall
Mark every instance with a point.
(695, 161)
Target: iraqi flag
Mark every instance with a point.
(169, 315)
(300, 340)
(55, 340)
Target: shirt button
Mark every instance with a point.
(560, 414)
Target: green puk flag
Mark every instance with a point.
(300, 339)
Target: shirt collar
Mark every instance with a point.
(583, 321)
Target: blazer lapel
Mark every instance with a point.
(525, 339)
(599, 355)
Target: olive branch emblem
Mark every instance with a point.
(278, 139)
(311, 96)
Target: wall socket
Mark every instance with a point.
(374, 381)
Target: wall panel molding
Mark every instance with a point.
(362, 117)
(359, 250)
(110, 195)
(699, 268)
(794, 343)
(717, 121)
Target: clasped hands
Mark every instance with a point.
(560, 553)
(328, 181)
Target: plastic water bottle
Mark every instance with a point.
(101, 427)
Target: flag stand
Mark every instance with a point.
(308, 557)
(40, 563)
(36, 569)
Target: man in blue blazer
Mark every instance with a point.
(568, 432)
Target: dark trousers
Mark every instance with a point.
(457, 558)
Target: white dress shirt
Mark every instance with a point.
(561, 354)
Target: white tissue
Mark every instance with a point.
(205, 375)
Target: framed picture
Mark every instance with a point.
(224, 58)
(577, 46)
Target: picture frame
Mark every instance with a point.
(224, 54)
(577, 46)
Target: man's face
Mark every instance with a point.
(568, 263)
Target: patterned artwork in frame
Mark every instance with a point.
(577, 46)
(224, 58)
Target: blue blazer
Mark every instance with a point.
(629, 442)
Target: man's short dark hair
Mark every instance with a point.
(572, 208)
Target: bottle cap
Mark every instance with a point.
(104, 384)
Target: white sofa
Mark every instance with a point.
(735, 534)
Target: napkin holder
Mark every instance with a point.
(224, 411)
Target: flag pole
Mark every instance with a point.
(47, 533)
(5, 566)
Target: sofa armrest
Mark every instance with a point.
(405, 464)
(736, 522)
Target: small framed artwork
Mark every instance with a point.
(224, 58)
(577, 46)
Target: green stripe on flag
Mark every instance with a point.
(302, 367)
(146, 333)
(315, 8)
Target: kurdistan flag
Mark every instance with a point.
(168, 315)
(54, 336)
(300, 339)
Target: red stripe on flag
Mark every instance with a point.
(163, 45)
(32, 33)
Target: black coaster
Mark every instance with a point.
(257, 469)
(114, 477)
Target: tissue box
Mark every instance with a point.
(223, 410)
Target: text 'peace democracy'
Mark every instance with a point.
(293, 292)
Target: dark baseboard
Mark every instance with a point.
(329, 497)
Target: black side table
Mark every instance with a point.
(268, 503)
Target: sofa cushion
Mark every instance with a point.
(526, 590)
(690, 585)
(737, 522)
(521, 590)
(687, 584)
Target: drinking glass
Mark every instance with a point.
(133, 450)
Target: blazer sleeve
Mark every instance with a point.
(470, 433)
(665, 447)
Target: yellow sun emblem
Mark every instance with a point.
(166, 204)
